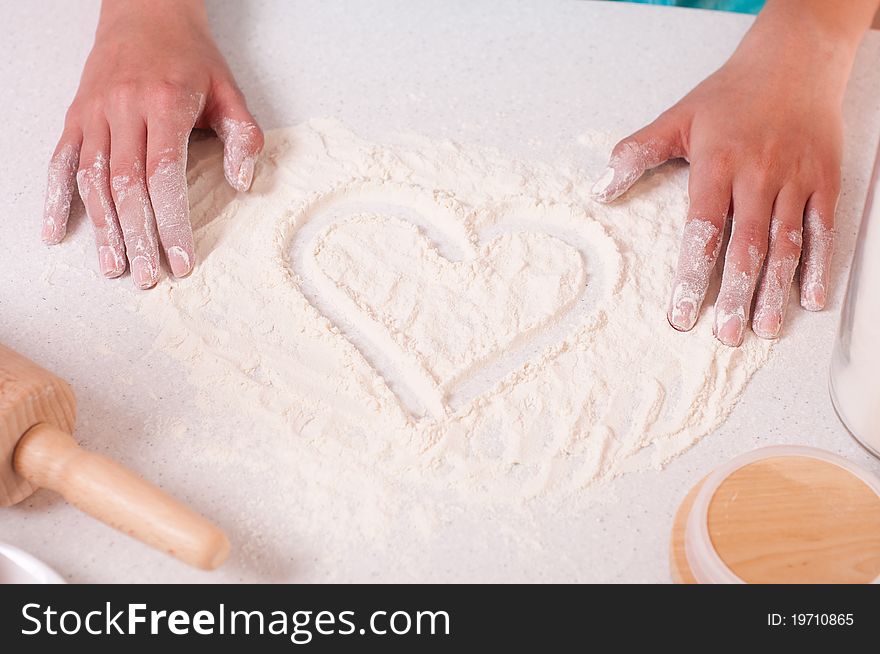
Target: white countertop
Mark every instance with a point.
(524, 77)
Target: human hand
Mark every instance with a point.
(763, 136)
(154, 74)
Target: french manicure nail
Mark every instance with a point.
(729, 330)
(179, 261)
(142, 272)
(600, 188)
(245, 174)
(813, 297)
(112, 265)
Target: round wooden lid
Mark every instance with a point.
(789, 519)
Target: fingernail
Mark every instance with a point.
(142, 272)
(179, 261)
(683, 315)
(49, 233)
(600, 188)
(729, 330)
(813, 297)
(112, 264)
(245, 174)
(768, 325)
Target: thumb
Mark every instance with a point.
(649, 147)
(242, 137)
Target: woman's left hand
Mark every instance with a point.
(763, 136)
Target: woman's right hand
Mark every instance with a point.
(154, 74)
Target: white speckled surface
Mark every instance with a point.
(525, 77)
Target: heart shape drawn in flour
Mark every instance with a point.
(442, 300)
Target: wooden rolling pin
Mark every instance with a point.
(37, 414)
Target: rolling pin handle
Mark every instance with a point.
(50, 458)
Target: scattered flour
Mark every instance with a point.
(444, 316)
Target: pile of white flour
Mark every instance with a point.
(443, 315)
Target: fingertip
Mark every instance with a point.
(180, 261)
(770, 302)
(729, 328)
(682, 316)
(603, 184)
(242, 143)
(818, 246)
(617, 179)
(52, 233)
(630, 158)
(767, 326)
(60, 187)
(244, 177)
(697, 257)
(813, 296)
(677, 324)
(110, 261)
(144, 273)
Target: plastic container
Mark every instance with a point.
(855, 362)
(782, 514)
(19, 567)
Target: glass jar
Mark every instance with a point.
(855, 362)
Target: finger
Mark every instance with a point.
(242, 138)
(709, 191)
(167, 140)
(93, 181)
(128, 136)
(783, 254)
(753, 204)
(818, 247)
(647, 148)
(60, 186)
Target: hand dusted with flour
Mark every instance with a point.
(153, 75)
(443, 315)
(763, 136)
